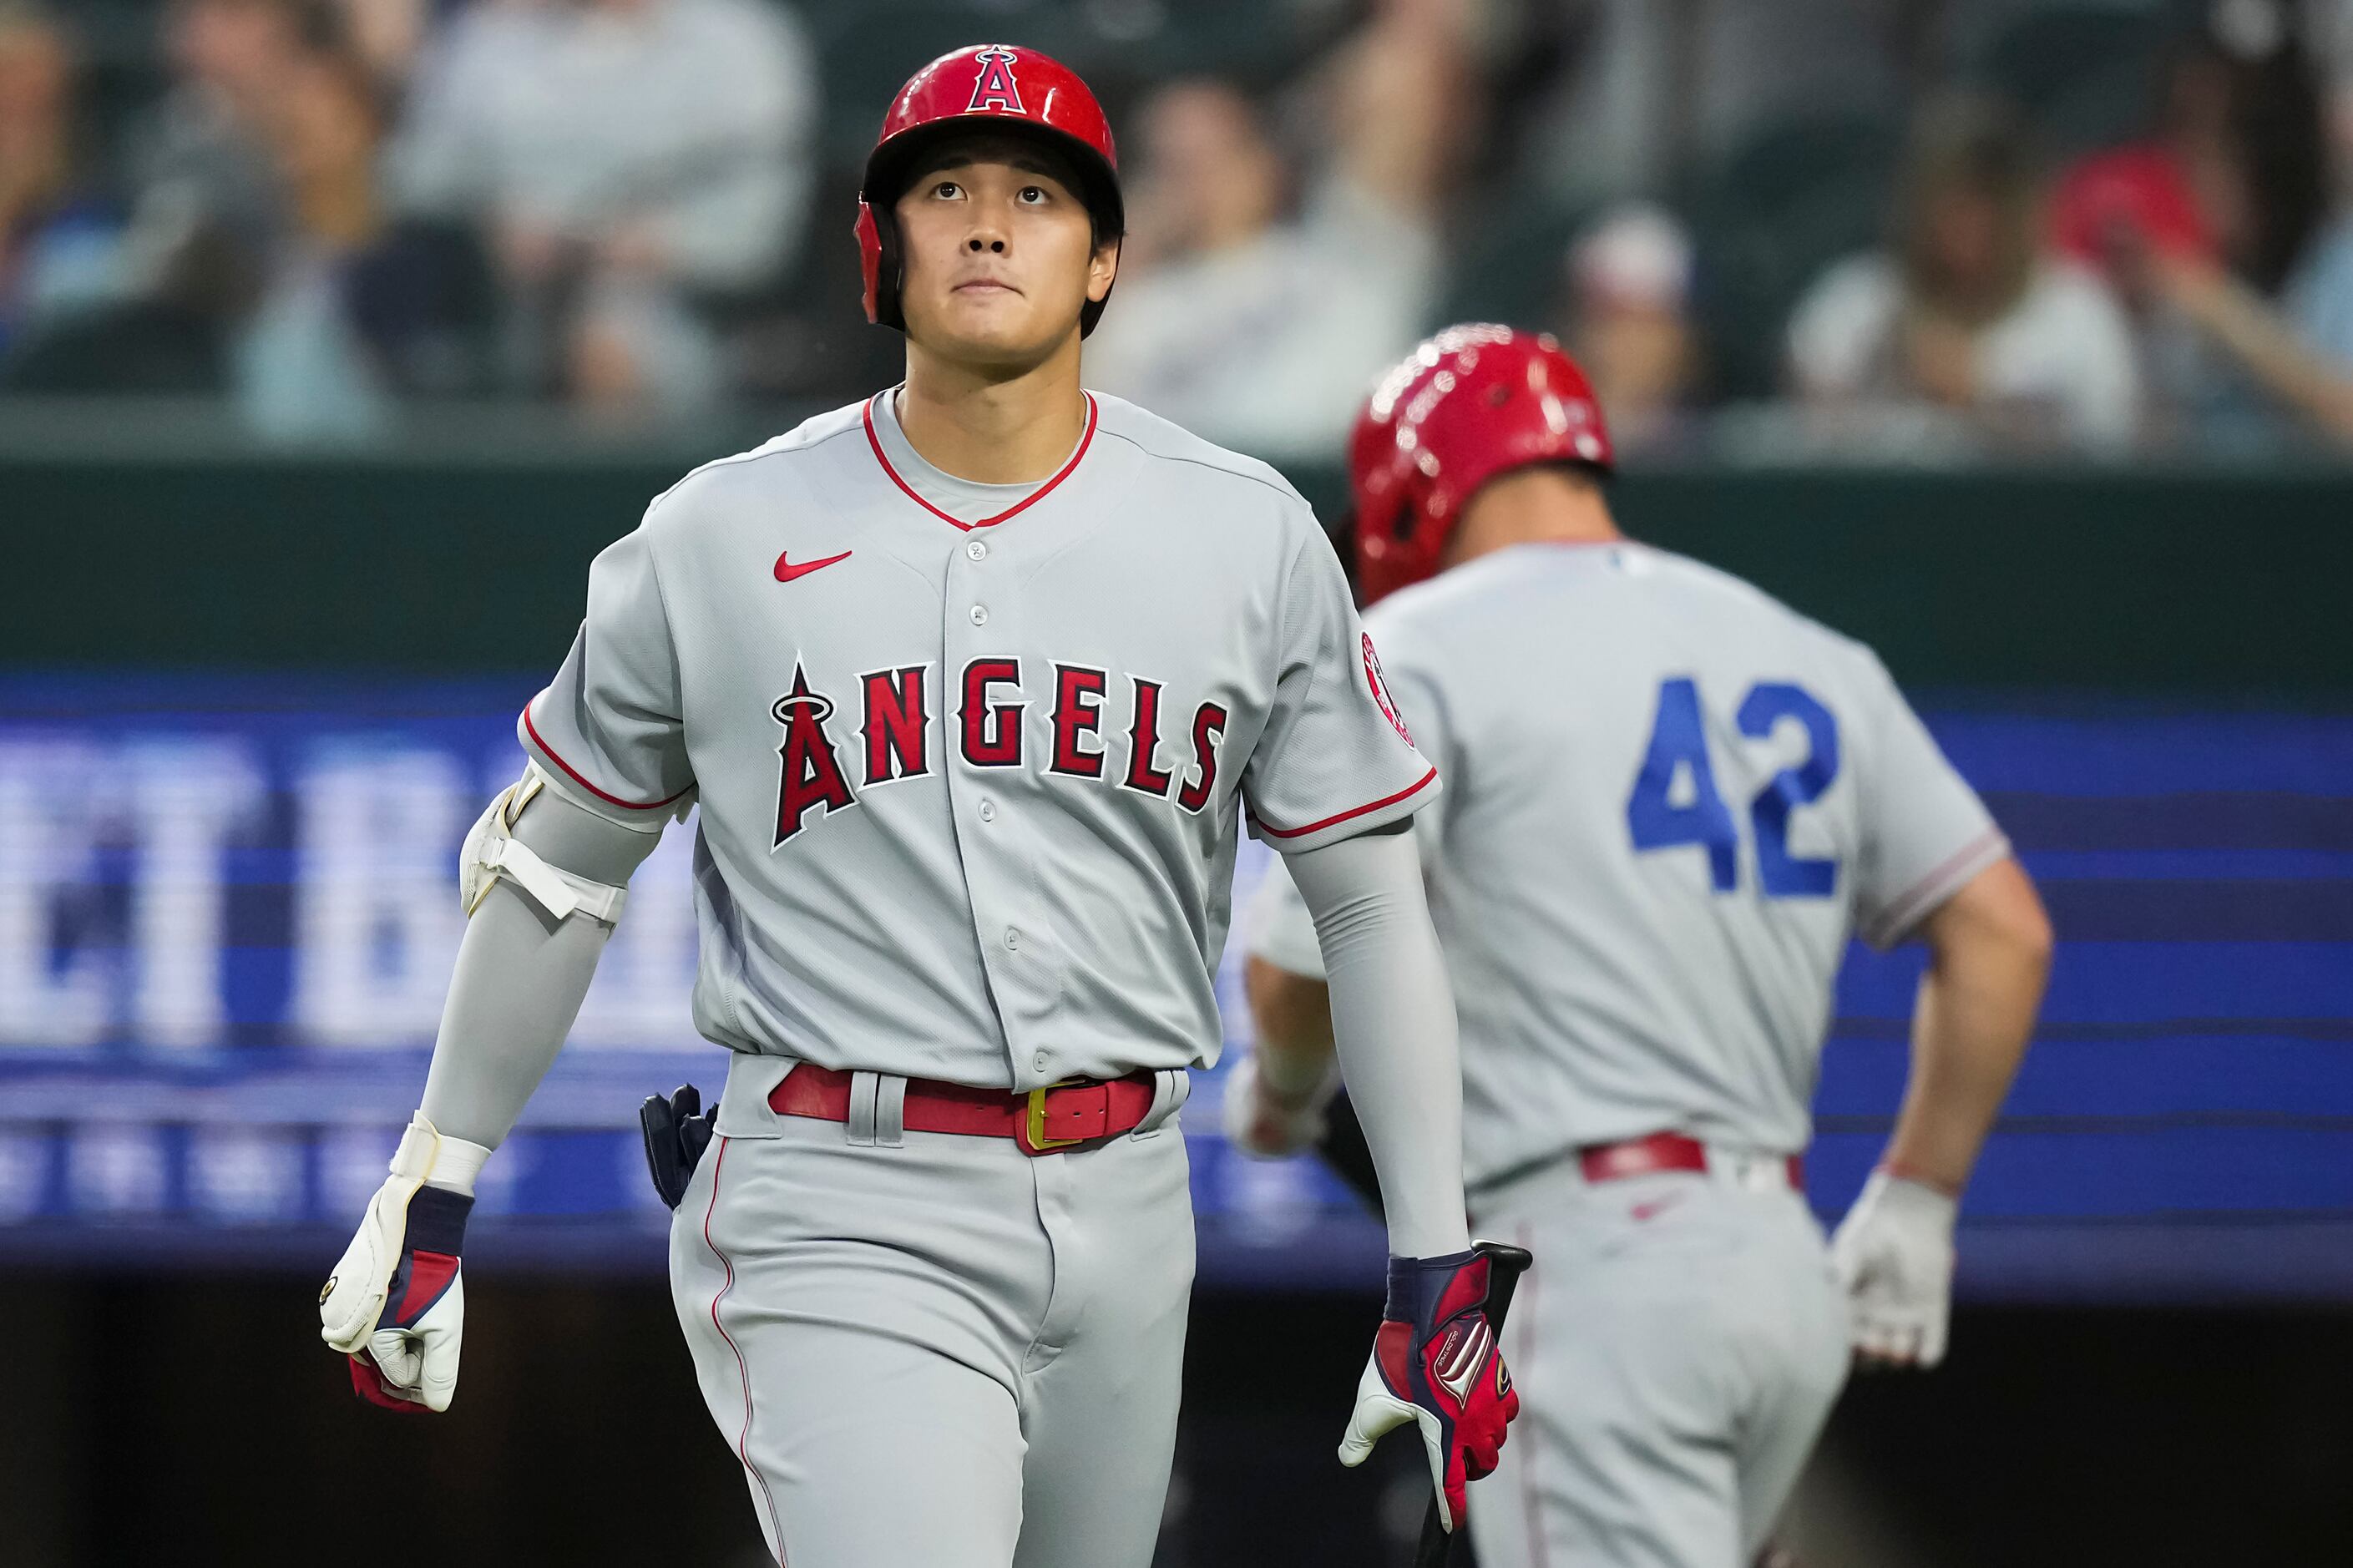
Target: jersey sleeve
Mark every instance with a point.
(1410, 654)
(609, 729)
(1335, 758)
(1924, 832)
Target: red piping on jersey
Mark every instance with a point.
(573, 773)
(742, 1438)
(1414, 788)
(1085, 440)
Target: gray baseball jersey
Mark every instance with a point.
(970, 758)
(1670, 801)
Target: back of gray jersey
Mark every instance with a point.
(1670, 799)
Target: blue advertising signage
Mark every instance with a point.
(228, 915)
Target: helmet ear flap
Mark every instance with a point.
(878, 256)
(1385, 536)
(1405, 520)
(888, 272)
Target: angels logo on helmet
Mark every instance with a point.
(995, 87)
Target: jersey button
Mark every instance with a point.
(989, 811)
(1012, 940)
(980, 615)
(975, 550)
(1038, 1061)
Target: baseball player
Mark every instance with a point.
(972, 681)
(1669, 802)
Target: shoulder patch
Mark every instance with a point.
(1378, 685)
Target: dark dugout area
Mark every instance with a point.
(196, 1419)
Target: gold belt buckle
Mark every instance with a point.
(1037, 1139)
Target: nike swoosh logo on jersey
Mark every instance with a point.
(1656, 1207)
(787, 571)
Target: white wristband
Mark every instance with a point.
(456, 1165)
(426, 1154)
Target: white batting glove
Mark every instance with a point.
(395, 1303)
(1267, 1124)
(1894, 1252)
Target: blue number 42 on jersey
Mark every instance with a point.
(1679, 742)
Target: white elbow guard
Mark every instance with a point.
(491, 851)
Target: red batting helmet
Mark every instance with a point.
(1001, 86)
(1469, 404)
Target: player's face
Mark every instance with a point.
(999, 257)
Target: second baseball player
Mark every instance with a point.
(1669, 801)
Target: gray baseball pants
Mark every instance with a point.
(1677, 1347)
(933, 1349)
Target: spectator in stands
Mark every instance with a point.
(353, 307)
(60, 241)
(1260, 321)
(206, 211)
(209, 208)
(2210, 228)
(628, 160)
(1628, 321)
(300, 372)
(264, 265)
(1965, 312)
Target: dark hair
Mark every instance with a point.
(2254, 88)
(2276, 119)
(1976, 147)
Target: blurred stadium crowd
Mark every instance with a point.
(1896, 230)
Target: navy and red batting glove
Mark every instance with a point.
(1436, 1363)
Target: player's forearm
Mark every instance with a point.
(522, 975)
(1294, 1016)
(1393, 1019)
(1990, 956)
(519, 984)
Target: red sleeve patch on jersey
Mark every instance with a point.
(1378, 685)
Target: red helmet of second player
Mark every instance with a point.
(1470, 403)
(1017, 88)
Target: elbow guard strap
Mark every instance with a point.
(493, 851)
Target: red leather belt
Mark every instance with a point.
(1661, 1152)
(1047, 1121)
